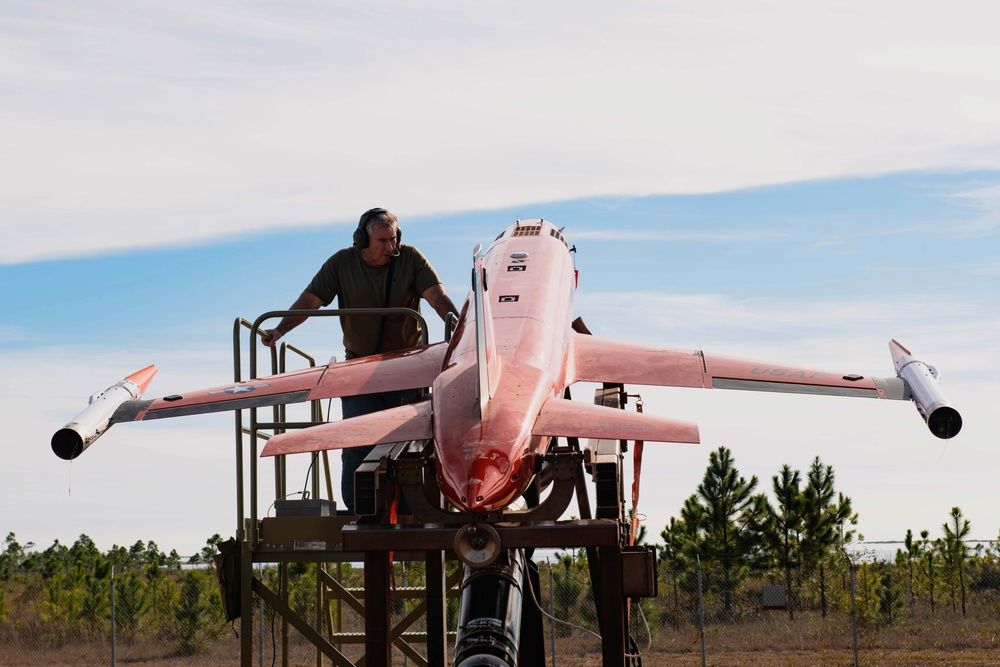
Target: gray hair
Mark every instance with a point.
(384, 219)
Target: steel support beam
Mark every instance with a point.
(378, 578)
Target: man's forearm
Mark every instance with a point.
(440, 302)
(306, 301)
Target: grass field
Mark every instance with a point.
(956, 644)
(775, 658)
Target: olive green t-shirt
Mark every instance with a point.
(346, 277)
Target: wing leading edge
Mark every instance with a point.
(406, 369)
(599, 359)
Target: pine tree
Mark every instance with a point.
(785, 526)
(956, 551)
(823, 521)
(729, 519)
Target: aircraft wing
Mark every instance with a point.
(406, 369)
(598, 359)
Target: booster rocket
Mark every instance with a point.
(921, 380)
(70, 441)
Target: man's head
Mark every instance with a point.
(377, 236)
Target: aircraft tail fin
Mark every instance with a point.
(407, 422)
(487, 359)
(561, 417)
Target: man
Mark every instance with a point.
(375, 272)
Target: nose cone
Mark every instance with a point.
(490, 483)
(473, 499)
(481, 501)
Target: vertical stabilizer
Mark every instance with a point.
(487, 360)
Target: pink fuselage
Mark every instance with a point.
(486, 462)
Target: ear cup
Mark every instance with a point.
(360, 238)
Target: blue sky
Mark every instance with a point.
(167, 169)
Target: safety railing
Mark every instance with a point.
(249, 459)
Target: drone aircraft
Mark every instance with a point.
(498, 387)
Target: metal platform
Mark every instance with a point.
(406, 470)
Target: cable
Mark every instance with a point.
(274, 614)
(642, 614)
(649, 635)
(305, 482)
(304, 494)
(552, 618)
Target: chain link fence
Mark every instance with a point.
(848, 610)
(852, 610)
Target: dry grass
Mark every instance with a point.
(772, 641)
(818, 658)
(303, 657)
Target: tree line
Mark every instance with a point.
(739, 534)
(728, 530)
(64, 594)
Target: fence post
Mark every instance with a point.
(112, 616)
(854, 613)
(552, 611)
(406, 606)
(701, 612)
(260, 621)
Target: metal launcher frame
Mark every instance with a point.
(618, 572)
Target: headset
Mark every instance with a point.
(361, 239)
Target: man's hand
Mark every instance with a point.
(306, 301)
(270, 337)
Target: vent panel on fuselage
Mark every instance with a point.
(526, 230)
(557, 235)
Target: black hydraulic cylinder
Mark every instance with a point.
(489, 623)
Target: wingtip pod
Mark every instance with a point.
(70, 441)
(942, 418)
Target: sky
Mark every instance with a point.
(782, 181)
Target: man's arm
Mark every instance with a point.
(306, 301)
(439, 301)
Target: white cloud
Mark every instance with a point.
(699, 237)
(130, 124)
(986, 199)
(782, 317)
(988, 270)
